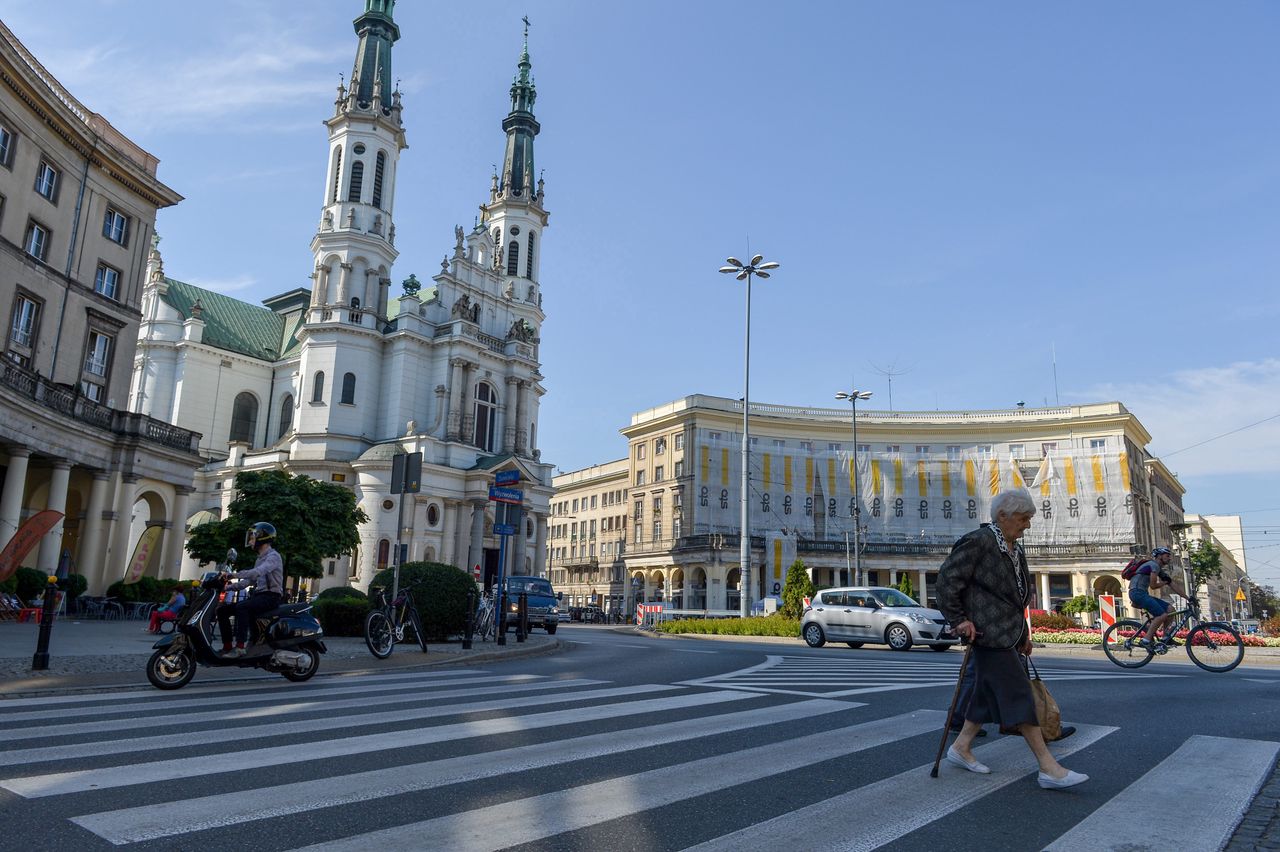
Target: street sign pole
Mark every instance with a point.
(406, 478)
(501, 620)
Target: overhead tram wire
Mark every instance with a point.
(1223, 435)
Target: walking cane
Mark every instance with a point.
(955, 696)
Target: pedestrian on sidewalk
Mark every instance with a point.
(984, 587)
(169, 611)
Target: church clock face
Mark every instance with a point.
(359, 148)
(515, 230)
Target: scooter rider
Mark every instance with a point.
(267, 577)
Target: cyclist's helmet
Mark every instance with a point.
(260, 533)
(1162, 551)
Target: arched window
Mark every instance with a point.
(244, 417)
(349, 388)
(337, 174)
(528, 261)
(384, 553)
(513, 258)
(286, 415)
(357, 181)
(317, 387)
(486, 409)
(379, 169)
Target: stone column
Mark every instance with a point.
(369, 298)
(922, 591)
(540, 545)
(118, 552)
(384, 296)
(51, 544)
(687, 603)
(468, 416)
(15, 486)
(454, 429)
(893, 577)
(524, 446)
(344, 285)
(175, 535)
(317, 298)
(475, 556)
(510, 412)
(1044, 591)
(517, 547)
(90, 559)
(449, 540)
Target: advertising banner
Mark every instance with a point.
(143, 553)
(28, 535)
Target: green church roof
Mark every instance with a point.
(234, 325)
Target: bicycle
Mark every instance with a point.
(485, 618)
(1214, 646)
(385, 624)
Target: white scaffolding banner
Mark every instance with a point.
(924, 498)
(780, 553)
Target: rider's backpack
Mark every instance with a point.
(1132, 568)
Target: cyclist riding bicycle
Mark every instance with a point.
(1150, 576)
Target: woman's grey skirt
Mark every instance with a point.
(1002, 690)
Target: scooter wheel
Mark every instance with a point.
(297, 676)
(170, 669)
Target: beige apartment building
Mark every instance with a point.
(1218, 599)
(78, 204)
(923, 479)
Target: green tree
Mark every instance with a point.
(797, 587)
(314, 521)
(904, 586)
(1080, 605)
(1206, 561)
(1264, 598)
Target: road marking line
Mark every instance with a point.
(146, 822)
(537, 817)
(871, 816)
(76, 781)
(1209, 781)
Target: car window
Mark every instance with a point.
(857, 600)
(892, 597)
(529, 585)
(833, 598)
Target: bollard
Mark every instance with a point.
(40, 661)
(469, 622)
(522, 617)
(502, 622)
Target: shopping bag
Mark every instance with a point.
(1046, 708)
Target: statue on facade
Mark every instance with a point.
(326, 224)
(521, 331)
(462, 307)
(411, 285)
(457, 237)
(351, 217)
(377, 225)
(391, 234)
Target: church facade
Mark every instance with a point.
(335, 380)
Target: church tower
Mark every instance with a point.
(354, 245)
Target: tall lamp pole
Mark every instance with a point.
(744, 272)
(853, 396)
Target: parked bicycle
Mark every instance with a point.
(385, 624)
(1214, 646)
(486, 618)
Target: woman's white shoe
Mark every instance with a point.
(1071, 779)
(972, 765)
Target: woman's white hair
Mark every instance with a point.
(1015, 501)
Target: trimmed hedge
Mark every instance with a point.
(1053, 621)
(767, 625)
(341, 592)
(147, 589)
(439, 592)
(341, 616)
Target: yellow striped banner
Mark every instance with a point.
(946, 478)
(1123, 461)
(786, 474)
(706, 464)
(875, 476)
(1099, 481)
(922, 478)
(768, 471)
(724, 466)
(1069, 471)
(897, 477)
(808, 475)
(970, 478)
(831, 475)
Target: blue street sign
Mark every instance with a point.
(507, 477)
(505, 495)
(504, 529)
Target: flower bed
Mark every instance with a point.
(1085, 636)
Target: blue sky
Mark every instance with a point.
(953, 191)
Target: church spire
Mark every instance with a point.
(372, 71)
(521, 128)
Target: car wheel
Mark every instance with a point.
(854, 644)
(551, 628)
(813, 635)
(940, 647)
(898, 637)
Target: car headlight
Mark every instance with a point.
(514, 607)
(554, 610)
(919, 619)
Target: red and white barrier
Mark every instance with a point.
(1106, 611)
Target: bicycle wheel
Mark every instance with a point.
(416, 621)
(1120, 643)
(378, 634)
(1215, 646)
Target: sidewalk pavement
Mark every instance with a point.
(90, 655)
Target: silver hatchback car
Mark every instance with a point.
(873, 615)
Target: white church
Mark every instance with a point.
(335, 381)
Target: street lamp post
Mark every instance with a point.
(744, 272)
(853, 396)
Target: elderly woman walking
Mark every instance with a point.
(983, 588)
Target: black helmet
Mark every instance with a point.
(1162, 551)
(260, 533)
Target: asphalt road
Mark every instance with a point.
(630, 742)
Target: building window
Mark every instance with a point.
(22, 329)
(106, 281)
(244, 417)
(379, 170)
(115, 226)
(679, 469)
(892, 448)
(806, 446)
(834, 448)
(357, 181)
(1097, 445)
(337, 174)
(1017, 451)
(864, 448)
(922, 449)
(486, 411)
(8, 142)
(513, 258)
(47, 181)
(528, 261)
(640, 452)
(657, 505)
(286, 415)
(349, 389)
(317, 387)
(659, 446)
(714, 436)
(680, 442)
(639, 478)
(37, 242)
(657, 529)
(675, 528)
(97, 365)
(575, 505)
(953, 452)
(657, 473)
(984, 451)
(1048, 447)
(593, 501)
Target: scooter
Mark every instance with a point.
(287, 640)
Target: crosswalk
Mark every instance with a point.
(477, 760)
(829, 677)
